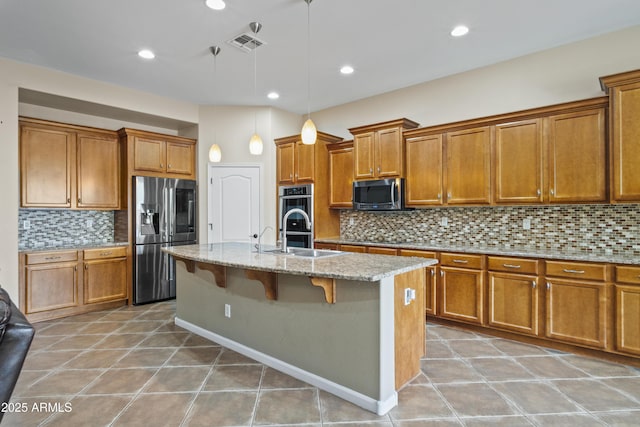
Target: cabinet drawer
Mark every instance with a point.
(99, 253)
(382, 251)
(577, 270)
(628, 274)
(461, 260)
(48, 257)
(418, 253)
(513, 265)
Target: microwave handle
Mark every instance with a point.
(393, 192)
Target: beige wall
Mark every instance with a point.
(566, 73)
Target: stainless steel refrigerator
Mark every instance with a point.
(165, 215)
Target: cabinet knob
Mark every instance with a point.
(68, 199)
(161, 165)
(79, 200)
(169, 165)
(75, 268)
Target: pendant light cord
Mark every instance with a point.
(255, 84)
(308, 58)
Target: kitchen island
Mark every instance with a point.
(350, 324)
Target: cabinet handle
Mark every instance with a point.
(79, 200)
(533, 284)
(441, 273)
(161, 165)
(68, 199)
(548, 286)
(511, 265)
(86, 266)
(50, 258)
(290, 176)
(106, 253)
(439, 196)
(371, 171)
(538, 192)
(297, 175)
(566, 270)
(433, 272)
(552, 192)
(461, 261)
(75, 268)
(378, 169)
(448, 195)
(169, 165)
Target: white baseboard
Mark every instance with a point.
(380, 407)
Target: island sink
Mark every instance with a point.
(313, 253)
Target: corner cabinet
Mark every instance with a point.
(340, 174)
(624, 133)
(379, 150)
(67, 166)
(153, 154)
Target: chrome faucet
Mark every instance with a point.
(284, 225)
(259, 236)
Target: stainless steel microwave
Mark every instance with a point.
(379, 195)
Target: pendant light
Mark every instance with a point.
(255, 143)
(309, 132)
(215, 154)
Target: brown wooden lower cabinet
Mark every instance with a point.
(627, 309)
(461, 287)
(382, 251)
(64, 283)
(353, 248)
(430, 279)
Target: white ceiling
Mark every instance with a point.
(391, 44)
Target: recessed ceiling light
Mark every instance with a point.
(347, 69)
(273, 95)
(146, 54)
(216, 4)
(459, 31)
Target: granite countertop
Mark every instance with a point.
(348, 266)
(496, 250)
(79, 247)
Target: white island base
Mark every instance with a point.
(362, 348)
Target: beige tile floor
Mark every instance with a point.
(133, 367)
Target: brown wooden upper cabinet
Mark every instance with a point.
(577, 156)
(340, 174)
(66, 166)
(155, 154)
(378, 149)
(624, 133)
(519, 162)
(424, 168)
(295, 161)
(468, 166)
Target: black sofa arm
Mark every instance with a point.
(16, 334)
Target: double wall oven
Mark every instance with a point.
(301, 197)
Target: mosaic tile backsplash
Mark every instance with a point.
(595, 229)
(63, 228)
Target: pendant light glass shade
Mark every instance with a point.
(255, 145)
(215, 155)
(309, 132)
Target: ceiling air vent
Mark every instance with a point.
(246, 42)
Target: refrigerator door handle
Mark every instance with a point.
(172, 212)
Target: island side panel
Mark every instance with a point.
(339, 342)
(409, 326)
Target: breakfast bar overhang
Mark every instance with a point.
(350, 324)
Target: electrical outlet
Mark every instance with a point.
(227, 310)
(526, 223)
(89, 223)
(444, 221)
(26, 224)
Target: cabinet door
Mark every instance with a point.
(388, 153)
(513, 302)
(461, 295)
(518, 162)
(46, 159)
(625, 147)
(628, 319)
(424, 171)
(576, 312)
(98, 171)
(341, 178)
(364, 155)
(469, 166)
(105, 280)
(304, 162)
(285, 161)
(431, 278)
(180, 158)
(577, 161)
(51, 287)
(149, 154)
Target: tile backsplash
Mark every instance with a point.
(63, 227)
(596, 229)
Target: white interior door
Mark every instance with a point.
(234, 203)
